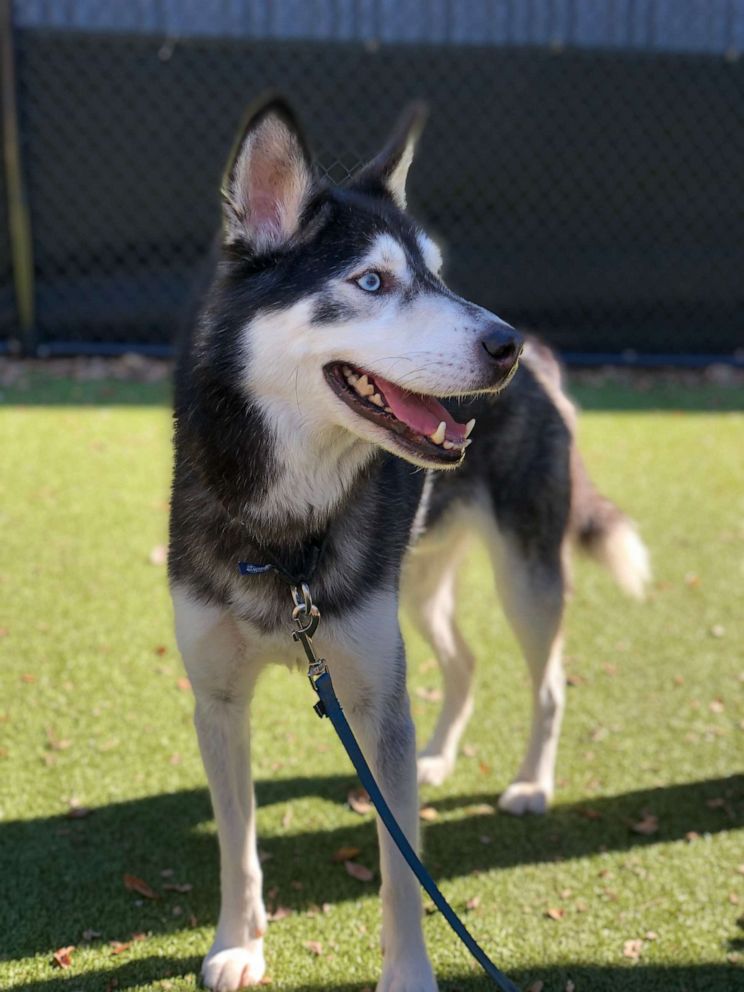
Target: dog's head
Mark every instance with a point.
(347, 323)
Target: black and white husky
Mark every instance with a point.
(329, 376)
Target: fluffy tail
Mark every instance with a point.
(603, 531)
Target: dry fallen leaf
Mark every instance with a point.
(480, 809)
(280, 913)
(139, 886)
(473, 903)
(359, 872)
(345, 854)
(632, 949)
(119, 946)
(429, 695)
(314, 946)
(184, 684)
(647, 825)
(555, 912)
(359, 801)
(76, 810)
(62, 958)
(160, 649)
(28, 678)
(428, 813)
(178, 887)
(469, 750)
(56, 743)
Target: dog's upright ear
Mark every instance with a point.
(390, 168)
(268, 179)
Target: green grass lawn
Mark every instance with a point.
(94, 716)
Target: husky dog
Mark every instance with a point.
(327, 397)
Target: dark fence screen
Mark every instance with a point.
(594, 195)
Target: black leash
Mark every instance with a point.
(306, 617)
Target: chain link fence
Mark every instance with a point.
(583, 165)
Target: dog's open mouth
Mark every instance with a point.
(421, 424)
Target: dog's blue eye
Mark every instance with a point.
(370, 282)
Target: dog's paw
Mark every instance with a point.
(234, 967)
(525, 797)
(433, 769)
(411, 975)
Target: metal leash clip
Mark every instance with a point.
(306, 617)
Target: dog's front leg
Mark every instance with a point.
(372, 690)
(215, 658)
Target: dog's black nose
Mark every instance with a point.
(503, 344)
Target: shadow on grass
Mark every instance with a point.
(597, 978)
(61, 876)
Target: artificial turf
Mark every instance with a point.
(100, 775)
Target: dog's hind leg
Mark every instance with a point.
(214, 655)
(430, 585)
(531, 585)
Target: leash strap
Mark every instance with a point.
(306, 617)
(331, 708)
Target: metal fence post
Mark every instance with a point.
(19, 219)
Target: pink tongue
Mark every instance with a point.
(423, 414)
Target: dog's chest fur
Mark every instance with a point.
(363, 544)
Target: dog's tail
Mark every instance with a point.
(603, 531)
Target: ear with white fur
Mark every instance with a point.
(390, 167)
(268, 179)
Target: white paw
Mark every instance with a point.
(433, 769)
(525, 797)
(411, 975)
(234, 967)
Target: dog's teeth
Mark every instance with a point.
(438, 436)
(388, 410)
(347, 371)
(376, 399)
(466, 444)
(353, 379)
(363, 386)
(447, 445)
(469, 427)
